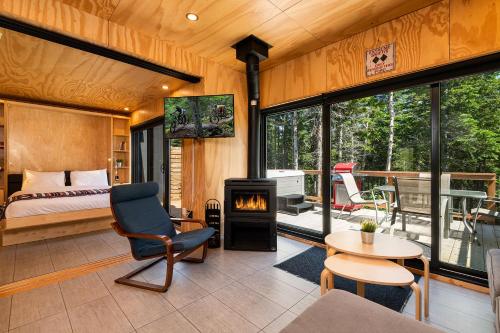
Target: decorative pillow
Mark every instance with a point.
(89, 178)
(38, 179)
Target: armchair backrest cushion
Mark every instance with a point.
(138, 210)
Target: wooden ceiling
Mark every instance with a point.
(38, 70)
(293, 27)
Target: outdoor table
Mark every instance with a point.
(462, 194)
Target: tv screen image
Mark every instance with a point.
(199, 116)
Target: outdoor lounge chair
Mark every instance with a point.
(141, 218)
(490, 211)
(355, 196)
(413, 197)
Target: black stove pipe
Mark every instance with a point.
(252, 71)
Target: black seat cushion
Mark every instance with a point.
(181, 242)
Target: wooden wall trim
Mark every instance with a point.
(442, 33)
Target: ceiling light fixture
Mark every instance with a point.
(192, 17)
(126, 109)
(164, 87)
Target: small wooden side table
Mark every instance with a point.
(367, 270)
(384, 247)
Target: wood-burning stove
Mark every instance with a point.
(250, 214)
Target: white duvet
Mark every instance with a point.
(32, 207)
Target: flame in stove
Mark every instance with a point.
(254, 202)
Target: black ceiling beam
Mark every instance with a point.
(62, 105)
(55, 37)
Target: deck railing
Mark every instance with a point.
(489, 178)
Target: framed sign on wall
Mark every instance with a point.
(380, 59)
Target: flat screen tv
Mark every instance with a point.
(199, 116)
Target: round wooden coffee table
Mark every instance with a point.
(383, 247)
(368, 270)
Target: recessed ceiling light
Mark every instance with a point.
(192, 17)
(126, 109)
(164, 87)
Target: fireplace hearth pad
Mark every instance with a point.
(250, 214)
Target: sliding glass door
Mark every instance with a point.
(431, 150)
(148, 157)
(381, 141)
(470, 168)
(293, 150)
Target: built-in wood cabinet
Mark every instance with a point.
(120, 145)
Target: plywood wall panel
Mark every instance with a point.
(101, 8)
(207, 162)
(37, 141)
(272, 86)
(225, 157)
(306, 75)
(55, 15)
(474, 28)
(133, 42)
(421, 42)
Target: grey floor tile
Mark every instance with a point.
(182, 291)
(33, 305)
(274, 289)
(101, 315)
(173, 323)
(5, 305)
(280, 323)
(210, 315)
(82, 290)
(142, 306)
(58, 323)
(250, 305)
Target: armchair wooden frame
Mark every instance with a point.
(169, 256)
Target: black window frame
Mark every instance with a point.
(431, 77)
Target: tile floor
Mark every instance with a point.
(230, 292)
(23, 261)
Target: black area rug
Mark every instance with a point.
(309, 264)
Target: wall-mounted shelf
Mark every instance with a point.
(120, 150)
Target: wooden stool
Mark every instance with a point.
(367, 270)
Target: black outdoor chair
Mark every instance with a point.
(141, 218)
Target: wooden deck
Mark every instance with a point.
(457, 249)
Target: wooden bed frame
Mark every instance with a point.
(32, 228)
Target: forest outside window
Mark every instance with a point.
(293, 150)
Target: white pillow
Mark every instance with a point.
(37, 179)
(89, 178)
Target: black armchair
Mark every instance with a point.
(140, 217)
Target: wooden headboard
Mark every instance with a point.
(15, 181)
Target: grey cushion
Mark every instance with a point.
(493, 269)
(342, 312)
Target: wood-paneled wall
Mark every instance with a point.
(207, 162)
(439, 34)
(53, 139)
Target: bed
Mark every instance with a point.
(51, 212)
